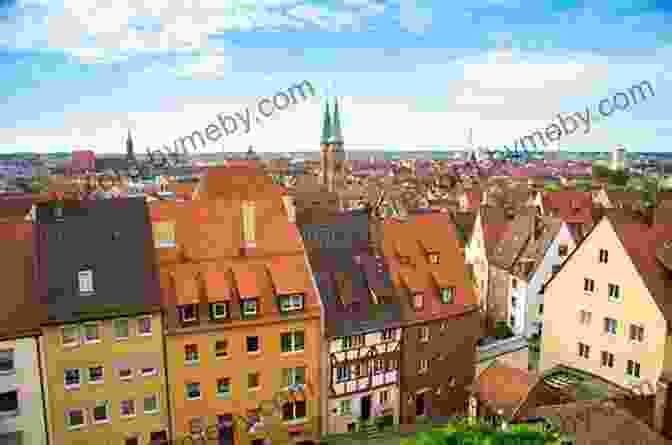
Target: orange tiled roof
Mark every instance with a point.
(503, 387)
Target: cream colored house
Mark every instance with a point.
(605, 310)
(475, 255)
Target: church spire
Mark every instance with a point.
(326, 125)
(130, 155)
(336, 135)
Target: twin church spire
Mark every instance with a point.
(331, 126)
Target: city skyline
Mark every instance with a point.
(414, 74)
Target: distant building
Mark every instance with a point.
(618, 161)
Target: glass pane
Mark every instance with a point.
(298, 341)
(300, 377)
(286, 342)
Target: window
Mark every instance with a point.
(444, 326)
(556, 268)
(292, 341)
(224, 387)
(636, 333)
(584, 350)
(191, 353)
(85, 278)
(384, 397)
(424, 333)
(293, 411)
(70, 335)
(378, 366)
(150, 404)
(392, 365)
(135, 440)
(127, 408)
(541, 308)
(91, 332)
(9, 403)
(121, 329)
(290, 303)
(74, 419)
(423, 366)
(101, 412)
(253, 380)
(197, 425)
(73, 378)
(614, 292)
(193, 391)
(145, 326)
(433, 258)
(607, 359)
(293, 376)
(221, 348)
(187, 313)
(164, 234)
(249, 307)
(588, 285)
(632, 369)
(447, 295)
(219, 311)
(95, 374)
(149, 372)
(125, 374)
(514, 283)
(343, 373)
(345, 407)
(418, 300)
(388, 334)
(610, 325)
(604, 256)
(585, 317)
(253, 344)
(562, 250)
(7, 361)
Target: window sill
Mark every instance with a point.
(72, 387)
(155, 412)
(146, 334)
(75, 428)
(223, 396)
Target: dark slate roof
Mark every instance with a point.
(111, 237)
(344, 271)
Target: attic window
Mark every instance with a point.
(447, 295)
(289, 303)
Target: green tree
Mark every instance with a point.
(601, 171)
(618, 177)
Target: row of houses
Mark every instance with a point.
(129, 322)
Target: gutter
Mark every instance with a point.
(44, 398)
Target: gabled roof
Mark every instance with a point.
(237, 183)
(495, 223)
(503, 387)
(571, 206)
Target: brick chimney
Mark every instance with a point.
(662, 405)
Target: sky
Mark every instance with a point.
(409, 74)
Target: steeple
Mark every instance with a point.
(326, 125)
(336, 135)
(130, 155)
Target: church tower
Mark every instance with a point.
(130, 154)
(332, 154)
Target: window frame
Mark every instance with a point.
(226, 349)
(140, 331)
(220, 394)
(102, 375)
(85, 276)
(294, 417)
(291, 306)
(563, 248)
(115, 324)
(12, 361)
(588, 283)
(125, 379)
(99, 328)
(638, 331)
(244, 302)
(614, 289)
(258, 381)
(108, 416)
(292, 341)
(434, 258)
(609, 362)
(69, 425)
(424, 334)
(153, 373)
(121, 409)
(213, 310)
(341, 404)
(607, 323)
(418, 301)
(182, 309)
(157, 408)
(247, 344)
(603, 256)
(450, 290)
(188, 360)
(77, 337)
(423, 369)
(65, 380)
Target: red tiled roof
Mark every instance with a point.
(504, 387)
(572, 207)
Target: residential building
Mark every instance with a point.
(361, 334)
(242, 316)
(440, 315)
(22, 386)
(605, 310)
(102, 343)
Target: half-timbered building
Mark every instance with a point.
(361, 322)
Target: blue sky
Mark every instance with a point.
(409, 73)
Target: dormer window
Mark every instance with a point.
(187, 313)
(249, 307)
(447, 295)
(289, 303)
(433, 258)
(418, 300)
(219, 311)
(85, 279)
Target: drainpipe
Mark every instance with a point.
(44, 398)
(165, 367)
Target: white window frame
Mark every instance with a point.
(638, 328)
(424, 366)
(121, 412)
(603, 255)
(614, 289)
(590, 283)
(636, 369)
(107, 419)
(192, 360)
(186, 391)
(98, 326)
(115, 323)
(139, 321)
(224, 394)
(95, 382)
(85, 281)
(217, 316)
(607, 324)
(347, 374)
(291, 373)
(77, 336)
(154, 372)
(71, 427)
(129, 377)
(250, 301)
(291, 302)
(73, 386)
(158, 405)
(342, 404)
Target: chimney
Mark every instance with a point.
(661, 404)
(288, 201)
(249, 224)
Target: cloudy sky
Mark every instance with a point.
(409, 73)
